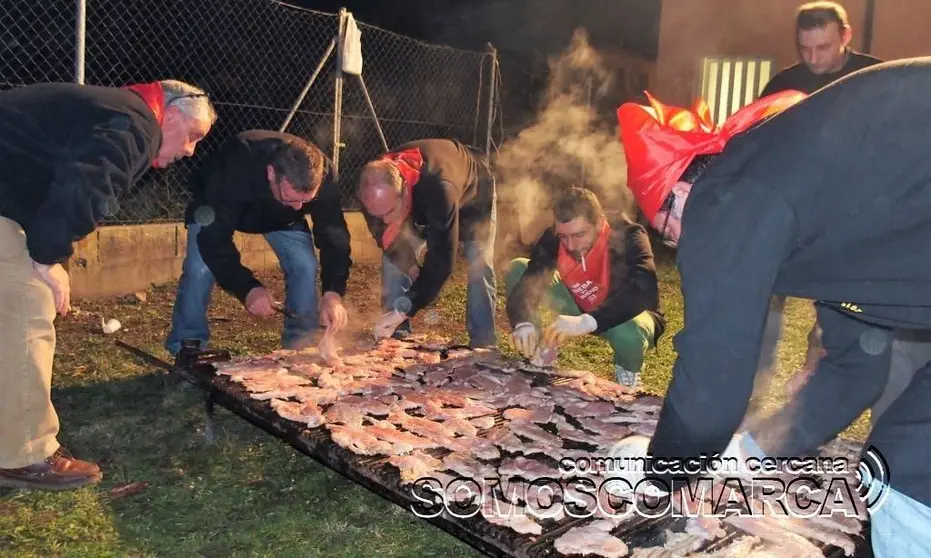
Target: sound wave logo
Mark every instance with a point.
(873, 479)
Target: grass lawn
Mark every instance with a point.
(167, 493)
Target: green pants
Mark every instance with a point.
(629, 340)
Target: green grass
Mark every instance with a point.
(247, 494)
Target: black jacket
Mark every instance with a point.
(234, 184)
(799, 78)
(452, 201)
(840, 214)
(633, 288)
(67, 152)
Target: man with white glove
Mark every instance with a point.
(599, 276)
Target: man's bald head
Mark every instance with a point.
(380, 191)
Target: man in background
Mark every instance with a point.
(264, 182)
(823, 36)
(67, 152)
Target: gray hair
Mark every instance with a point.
(191, 100)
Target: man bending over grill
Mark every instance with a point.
(67, 152)
(264, 182)
(420, 200)
(599, 276)
(840, 215)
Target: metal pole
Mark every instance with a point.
(80, 22)
(368, 99)
(313, 78)
(338, 93)
(491, 97)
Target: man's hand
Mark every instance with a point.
(797, 381)
(628, 454)
(568, 326)
(333, 314)
(525, 339)
(57, 279)
(389, 322)
(259, 303)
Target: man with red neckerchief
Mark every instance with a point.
(599, 276)
(67, 152)
(420, 201)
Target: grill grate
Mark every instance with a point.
(377, 475)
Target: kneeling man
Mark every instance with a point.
(599, 276)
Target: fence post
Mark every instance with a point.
(338, 93)
(310, 82)
(80, 22)
(492, 91)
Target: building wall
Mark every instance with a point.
(119, 260)
(692, 29)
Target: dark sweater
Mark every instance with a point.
(451, 202)
(633, 285)
(827, 201)
(799, 78)
(67, 152)
(234, 183)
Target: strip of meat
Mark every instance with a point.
(279, 380)
(590, 409)
(385, 431)
(421, 426)
(437, 377)
(481, 448)
(628, 418)
(464, 465)
(485, 381)
(344, 414)
(462, 427)
(318, 396)
(472, 411)
(605, 429)
(517, 520)
(415, 466)
(534, 432)
(517, 413)
(447, 398)
(305, 413)
(792, 544)
(839, 522)
(483, 423)
(329, 350)
(816, 532)
(358, 441)
(644, 429)
(310, 370)
(645, 403)
(592, 540)
(366, 405)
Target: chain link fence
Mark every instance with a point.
(254, 58)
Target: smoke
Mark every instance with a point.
(568, 143)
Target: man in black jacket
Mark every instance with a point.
(839, 215)
(823, 36)
(67, 152)
(264, 182)
(599, 277)
(420, 200)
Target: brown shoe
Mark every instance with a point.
(61, 471)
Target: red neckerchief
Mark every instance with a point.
(154, 97)
(588, 281)
(408, 162)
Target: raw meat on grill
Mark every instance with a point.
(467, 467)
(415, 466)
(515, 518)
(792, 544)
(402, 442)
(590, 539)
(366, 405)
(484, 423)
(344, 414)
(358, 441)
(319, 396)
(461, 426)
(422, 426)
(517, 413)
(529, 469)
(590, 409)
(534, 432)
(305, 413)
(605, 429)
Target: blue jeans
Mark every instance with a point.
(298, 261)
(898, 527)
(480, 293)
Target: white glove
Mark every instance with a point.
(525, 339)
(568, 326)
(627, 466)
(742, 448)
(389, 322)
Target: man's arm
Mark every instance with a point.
(733, 243)
(442, 211)
(331, 235)
(88, 177)
(637, 292)
(218, 251)
(524, 299)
